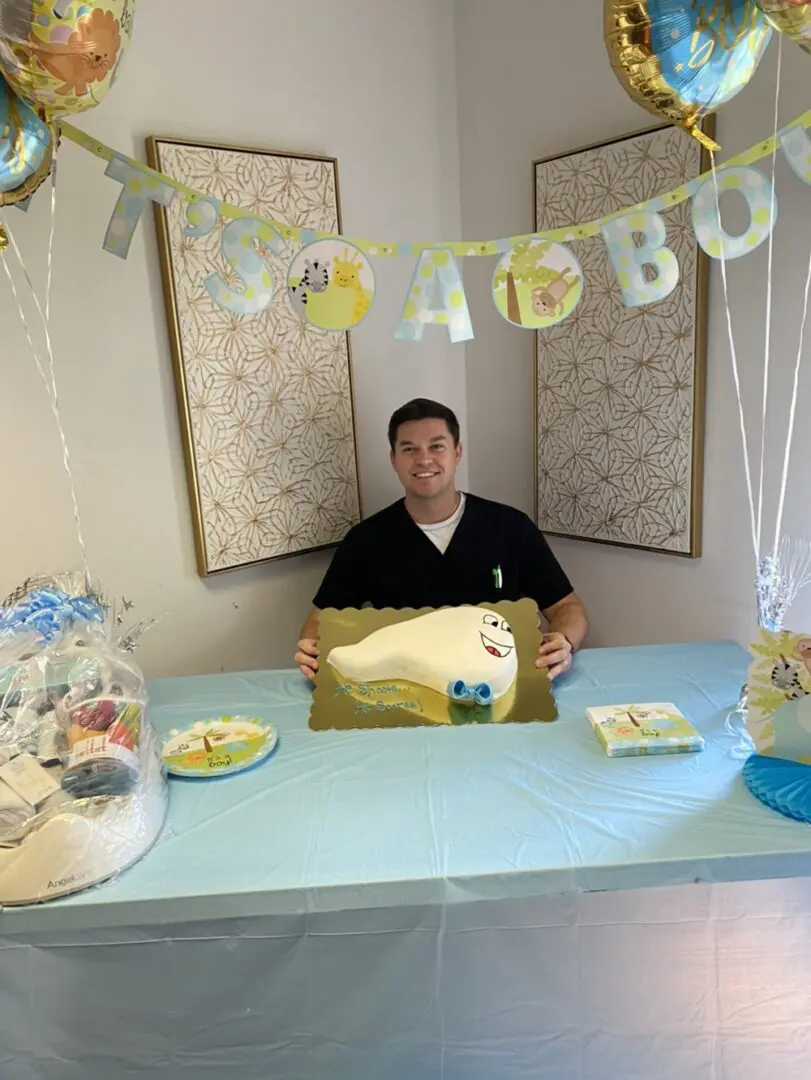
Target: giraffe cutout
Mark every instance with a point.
(346, 275)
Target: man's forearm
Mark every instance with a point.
(569, 618)
(310, 628)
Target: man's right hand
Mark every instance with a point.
(307, 657)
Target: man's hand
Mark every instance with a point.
(307, 657)
(555, 654)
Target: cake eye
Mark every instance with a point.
(505, 626)
(490, 620)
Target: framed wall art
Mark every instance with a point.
(264, 398)
(620, 391)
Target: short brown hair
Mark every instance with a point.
(422, 409)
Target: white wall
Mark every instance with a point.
(534, 80)
(375, 83)
(369, 81)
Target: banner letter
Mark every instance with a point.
(202, 215)
(796, 147)
(436, 271)
(138, 189)
(241, 242)
(630, 260)
(759, 196)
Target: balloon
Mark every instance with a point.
(790, 17)
(26, 148)
(63, 56)
(683, 59)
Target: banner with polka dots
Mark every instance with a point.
(635, 237)
(436, 279)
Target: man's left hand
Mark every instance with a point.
(555, 654)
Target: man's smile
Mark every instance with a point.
(495, 648)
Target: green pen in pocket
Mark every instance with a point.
(498, 581)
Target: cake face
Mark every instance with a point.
(469, 645)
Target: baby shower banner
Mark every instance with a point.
(537, 282)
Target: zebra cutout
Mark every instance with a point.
(786, 678)
(315, 279)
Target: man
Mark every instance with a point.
(440, 547)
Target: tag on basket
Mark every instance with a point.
(26, 776)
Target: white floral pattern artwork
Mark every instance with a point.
(266, 400)
(620, 390)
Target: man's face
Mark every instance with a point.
(425, 458)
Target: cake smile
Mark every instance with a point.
(495, 648)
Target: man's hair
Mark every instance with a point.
(422, 409)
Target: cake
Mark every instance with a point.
(463, 653)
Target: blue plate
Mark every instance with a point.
(784, 786)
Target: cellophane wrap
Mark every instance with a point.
(83, 793)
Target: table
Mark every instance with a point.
(481, 903)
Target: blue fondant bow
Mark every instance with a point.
(458, 690)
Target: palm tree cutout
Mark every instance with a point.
(655, 720)
(525, 268)
(207, 735)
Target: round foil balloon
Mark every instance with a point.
(62, 56)
(26, 148)
(683, 59)
(790, 17)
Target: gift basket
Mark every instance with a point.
(83, 793)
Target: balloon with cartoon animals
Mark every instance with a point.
(331, 285)
(537, 283)
(63, 56)
(790, 17)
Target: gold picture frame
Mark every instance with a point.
(265, 402)
(606, 365)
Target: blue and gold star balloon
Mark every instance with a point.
(683, 59)
(26, 148)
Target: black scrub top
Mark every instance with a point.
(496, 553)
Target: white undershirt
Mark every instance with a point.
(441, 532)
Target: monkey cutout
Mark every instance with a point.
(548, 299)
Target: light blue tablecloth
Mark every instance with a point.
(431, 905)
(346, 820)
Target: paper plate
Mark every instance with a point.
(782, 785)
(219, 747)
